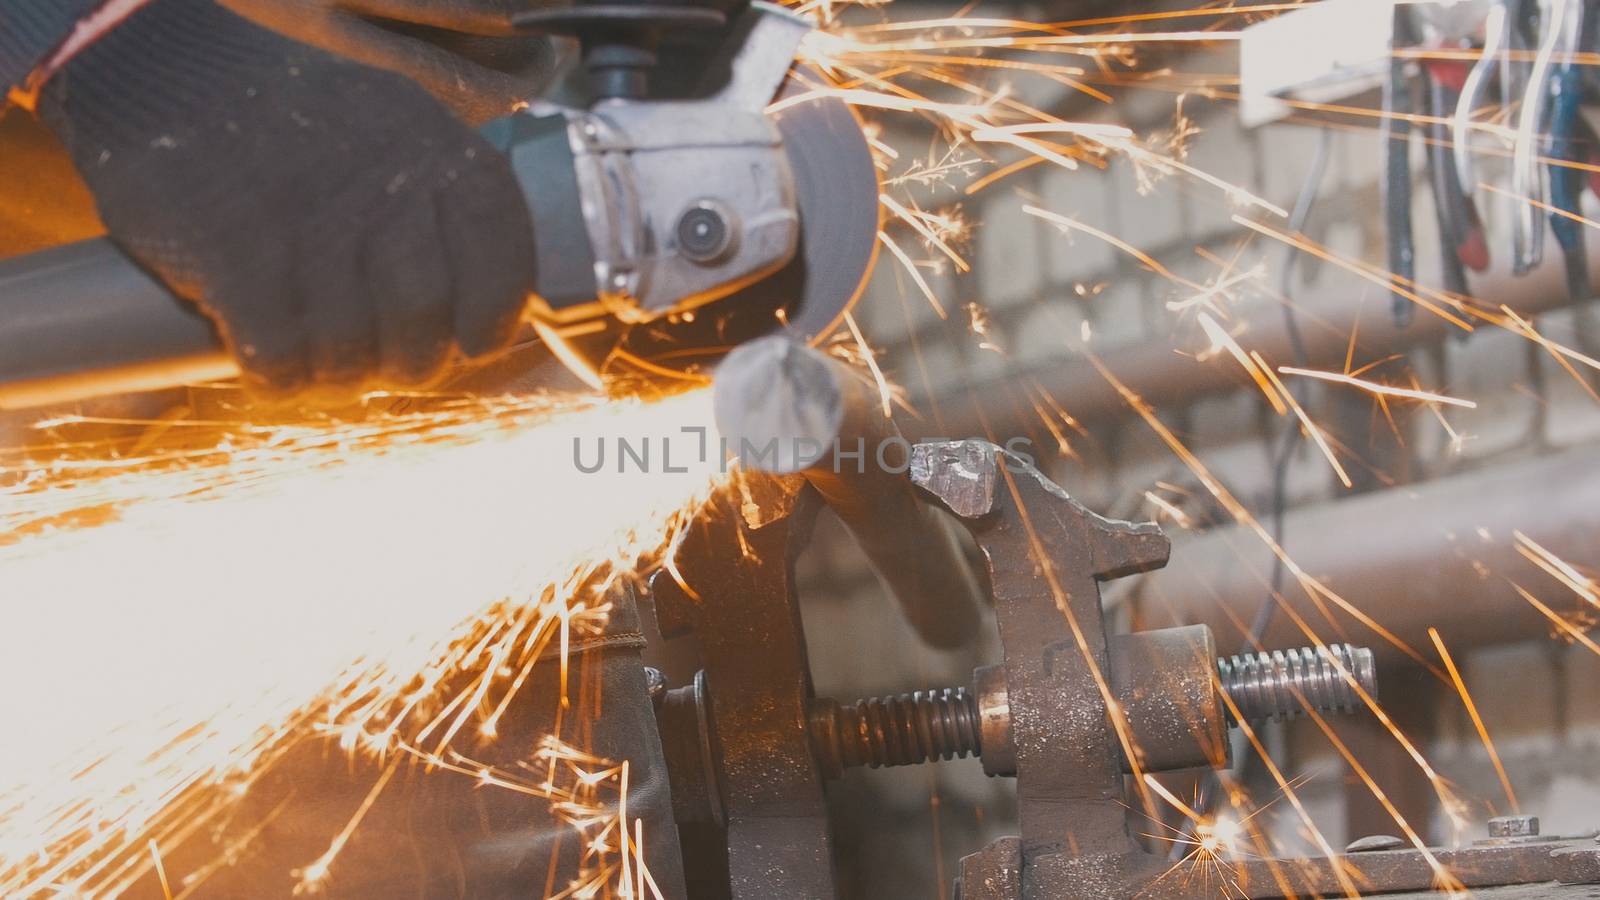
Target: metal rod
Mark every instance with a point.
(1441, 554)
(930, 726)
(785, 407)
(83, 321)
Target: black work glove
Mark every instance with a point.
(465, 52)
(335, 220)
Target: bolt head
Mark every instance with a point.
(1514, 826)
(704, 233)
(655, 683)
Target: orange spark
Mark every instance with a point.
(1477, 720)
(1374, 387)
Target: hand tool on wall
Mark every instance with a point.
(1396, 186)
(1566, 19)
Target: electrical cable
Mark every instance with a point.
(1287, 443)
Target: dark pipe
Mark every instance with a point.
(83, 320)
(1437, 554)
(1157, 372)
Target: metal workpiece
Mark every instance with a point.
(1545, 865)
(785, 407)
(1046, 554)
(1511, 828)
(754, 694)
(1279, 685)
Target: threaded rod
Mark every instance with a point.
(1271, 685)
(928, 725)
(896, 731)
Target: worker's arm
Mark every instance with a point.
(338, 223)
(464, 52)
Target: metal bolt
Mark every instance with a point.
(1514, 826)
(704, 233)
(1281, 683)
(655, 683)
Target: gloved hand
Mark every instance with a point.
(465, 52)
(335, 220)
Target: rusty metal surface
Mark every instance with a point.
(751, 741)
(1046, 555)
(993, 873)
(758, 682)
(1166, 683)
(1390, 871)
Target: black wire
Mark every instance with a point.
(1288, 441)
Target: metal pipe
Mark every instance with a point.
(1440, 554)
(784, 407)
(83, 321)
(1163, 377)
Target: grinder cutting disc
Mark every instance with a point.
(836, 187)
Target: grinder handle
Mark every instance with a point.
(83, 320)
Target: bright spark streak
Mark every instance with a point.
(885, 394)
(1305, 420)
(1570, 630)
(304, 580)
(1366, 271)
(1120, 139)
(934, 229)
(1558, 568)
(1292, 796)
(1222, 340)
(1374, 387)
(1068, 224)
(910, 267)
(1177, 515)
(1477, 720)
(1048, 42)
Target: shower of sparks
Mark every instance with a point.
(178, 619)
(1210, 844)
(415, 552)
(930, 70)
